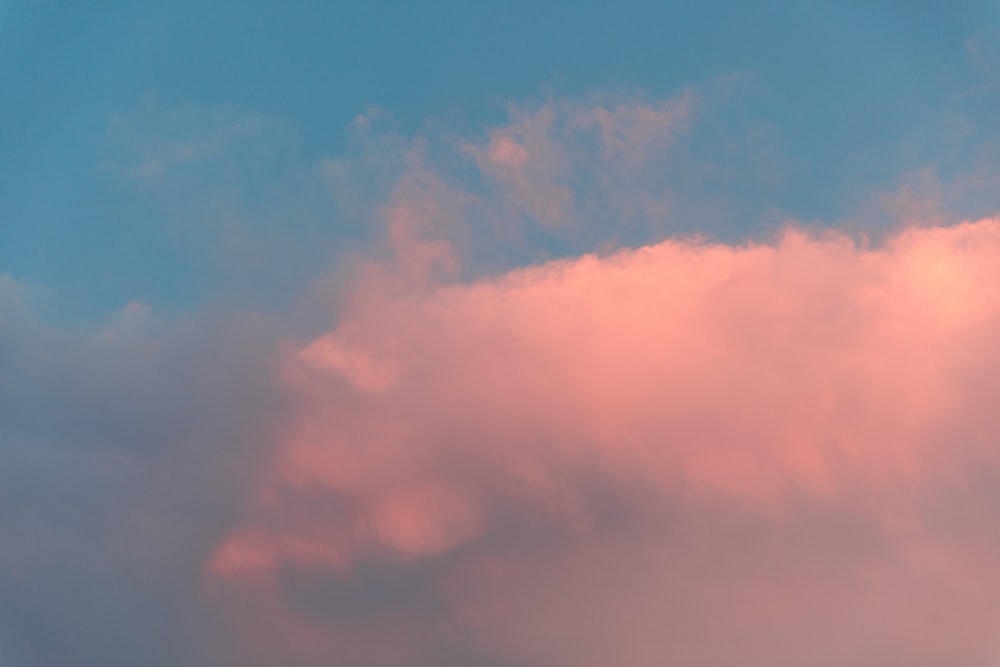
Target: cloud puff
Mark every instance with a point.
(539, 160)
(689, 452)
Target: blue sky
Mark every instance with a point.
(853, 96)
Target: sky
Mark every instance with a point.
(450, 334)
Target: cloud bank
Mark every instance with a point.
(686, 452)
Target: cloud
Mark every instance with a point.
(224, 195)
(556, 177)
(125, 450)
(152, 145)
(984, 54)
(539, 160)
(671, 453)
(543, 410)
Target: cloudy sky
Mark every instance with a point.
(499, 334)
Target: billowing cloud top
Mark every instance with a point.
(672, 447)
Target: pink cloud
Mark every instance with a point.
(536, 160)
(629, 131)
(528, 162)
(507, 152)
(681, 452)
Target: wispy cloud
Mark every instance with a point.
(540, 159)
(152, 144)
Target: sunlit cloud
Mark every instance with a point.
(671, 399)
